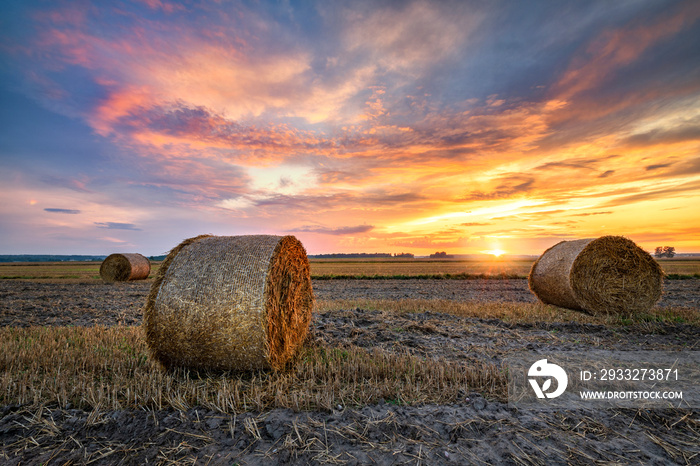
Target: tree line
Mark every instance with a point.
(665, 251)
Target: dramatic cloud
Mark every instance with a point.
(117, 226)
(62, 211)
(339, 231)
(585, 214)
(657, 166)
(509, 186)
(374, 125)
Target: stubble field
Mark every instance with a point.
(397, 370)
(325, 269)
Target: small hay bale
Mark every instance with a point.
(607, 275)
(230, 303)
(125, 267)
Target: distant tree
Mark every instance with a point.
(665, 251)
(441, 255)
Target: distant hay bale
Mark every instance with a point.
(125, 267)
(607, 275)
(230, 303)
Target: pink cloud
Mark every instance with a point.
(168, 7)
(409, 38)
(616, 48)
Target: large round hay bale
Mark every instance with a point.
(124, 267)
(607, 275)
(230, 303)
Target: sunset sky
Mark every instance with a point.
(357, 126)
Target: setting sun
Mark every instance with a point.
(495, 252)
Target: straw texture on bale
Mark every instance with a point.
(124, 267)
(230, 303)
(607, 275)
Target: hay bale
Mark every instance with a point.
(124, 267)
(607, 275)
(230, 303)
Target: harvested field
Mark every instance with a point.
(322, 268)
(429, 323)
(24, 303)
